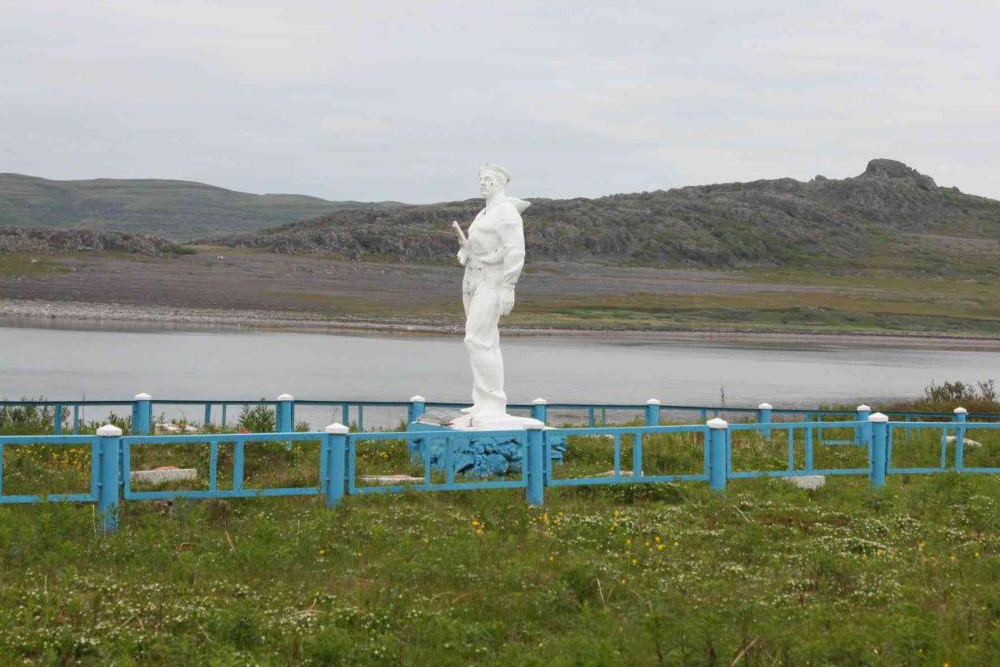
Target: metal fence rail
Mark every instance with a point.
(140, 411)
(111, 457)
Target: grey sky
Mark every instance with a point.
(403, 100)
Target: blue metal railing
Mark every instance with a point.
(339, 450)
(215, 412)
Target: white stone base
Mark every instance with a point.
(162, 476)
(808, 482)
(475, 422)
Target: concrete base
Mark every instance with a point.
(808, 482)
(392, 479)
(163, 476)
(460, 420)
(474, 422)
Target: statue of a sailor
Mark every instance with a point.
(493, 256)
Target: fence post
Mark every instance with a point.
(718, 439)
(862, 431)
(535, 468)
(653, 412)
(880, 448)
(283, 424)
(961, 415)
(335, 445)
(417, 408)
(57, 419)
(142, 414)
(540, 410)
(109, 445)
(764, 417)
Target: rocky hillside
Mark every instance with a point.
(177, 210)
(45, 241)
(890, 208)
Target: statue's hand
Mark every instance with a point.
(506, 300)
(463, 243)
(462, 240)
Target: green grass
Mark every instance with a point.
(635, 574)
(21, 265)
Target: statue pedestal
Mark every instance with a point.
(480, 446)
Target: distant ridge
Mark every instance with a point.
(891, 215)
(176, 210)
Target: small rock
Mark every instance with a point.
(808, 482)
(966, 442)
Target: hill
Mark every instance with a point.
(177, 210)
(890, 214)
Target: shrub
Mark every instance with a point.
(257, 419)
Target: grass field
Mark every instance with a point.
(635, 574)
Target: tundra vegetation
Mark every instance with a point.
(633, 574)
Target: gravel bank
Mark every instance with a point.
(16, 312)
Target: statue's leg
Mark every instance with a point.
(466, 302)
(482, 341)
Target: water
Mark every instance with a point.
(111, 364)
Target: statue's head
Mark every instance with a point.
(492, 179)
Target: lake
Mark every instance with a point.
(60, 363)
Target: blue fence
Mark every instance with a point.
(339, 451)
(70, 415)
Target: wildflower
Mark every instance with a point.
(659, 547)
(657, 539)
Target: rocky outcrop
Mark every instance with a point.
(768, 222)
(19, 239)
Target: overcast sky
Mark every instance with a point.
(403, 100)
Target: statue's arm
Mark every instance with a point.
(463, 243)
(511, 233)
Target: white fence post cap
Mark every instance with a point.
(539, 401)
(337, 428)
(286, 397)
(109, 431)
(764, 406)
(533, 425)
(718, 422)
(143, 397)
(653, 401)
(864, 408)
(878, 418)
(960, 411)
(417, 399)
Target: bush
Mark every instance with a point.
(945, 397)
(257, 419)
(28, 419)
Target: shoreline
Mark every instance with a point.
(87, 315)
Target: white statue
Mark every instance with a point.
(493, 256)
